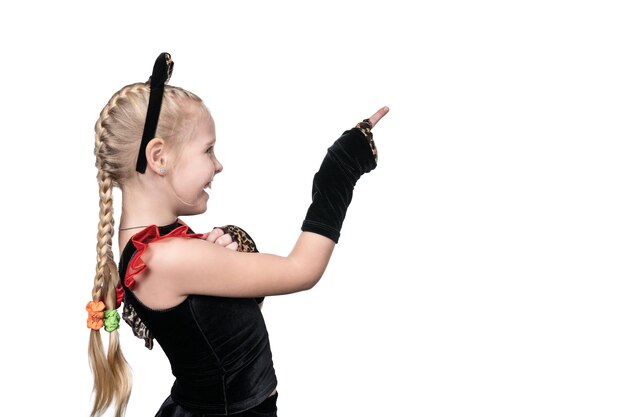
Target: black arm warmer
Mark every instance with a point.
(346, 160)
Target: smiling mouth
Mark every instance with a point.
(208, 185)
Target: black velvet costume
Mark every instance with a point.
(218, 349)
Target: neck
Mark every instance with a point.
(142, 209)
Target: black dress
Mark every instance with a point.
(218, 347)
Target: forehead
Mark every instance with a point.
(204, 130)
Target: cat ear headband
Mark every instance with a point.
(161, 73)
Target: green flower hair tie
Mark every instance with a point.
(111, 320)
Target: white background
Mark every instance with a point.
(480, 271)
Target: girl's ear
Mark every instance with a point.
(155, 155)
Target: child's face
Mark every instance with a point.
(196, 167)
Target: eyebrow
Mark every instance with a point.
(210, 143)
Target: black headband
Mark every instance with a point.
(161, 73)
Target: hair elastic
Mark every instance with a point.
(97, 317)
(161, 73)
(111, 320)
(95, 314)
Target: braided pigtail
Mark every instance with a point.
(112, 378)
(111, 372)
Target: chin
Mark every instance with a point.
(199, 207)
(191, 211)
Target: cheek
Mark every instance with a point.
(182, 177)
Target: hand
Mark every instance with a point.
(375, 118)
(218, 237)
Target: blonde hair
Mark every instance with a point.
(118, 135)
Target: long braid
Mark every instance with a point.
(119, 369)
(112, 377)
(103, 377)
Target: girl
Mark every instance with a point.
(187, 290)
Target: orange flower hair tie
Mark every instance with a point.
(95, 313)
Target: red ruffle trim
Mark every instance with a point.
(119, 295)
(141, 240)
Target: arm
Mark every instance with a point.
(202, 268)
(192, 266)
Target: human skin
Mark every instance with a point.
(180, 267)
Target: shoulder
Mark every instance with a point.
(177, 254)
(169, 264)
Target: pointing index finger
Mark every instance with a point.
(375, 118)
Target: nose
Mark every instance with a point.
(218, 166)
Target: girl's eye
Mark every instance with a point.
(209, 150)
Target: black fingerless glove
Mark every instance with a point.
(351, 156)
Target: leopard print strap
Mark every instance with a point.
(140, 330)
(366, 128)
(243, 239)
